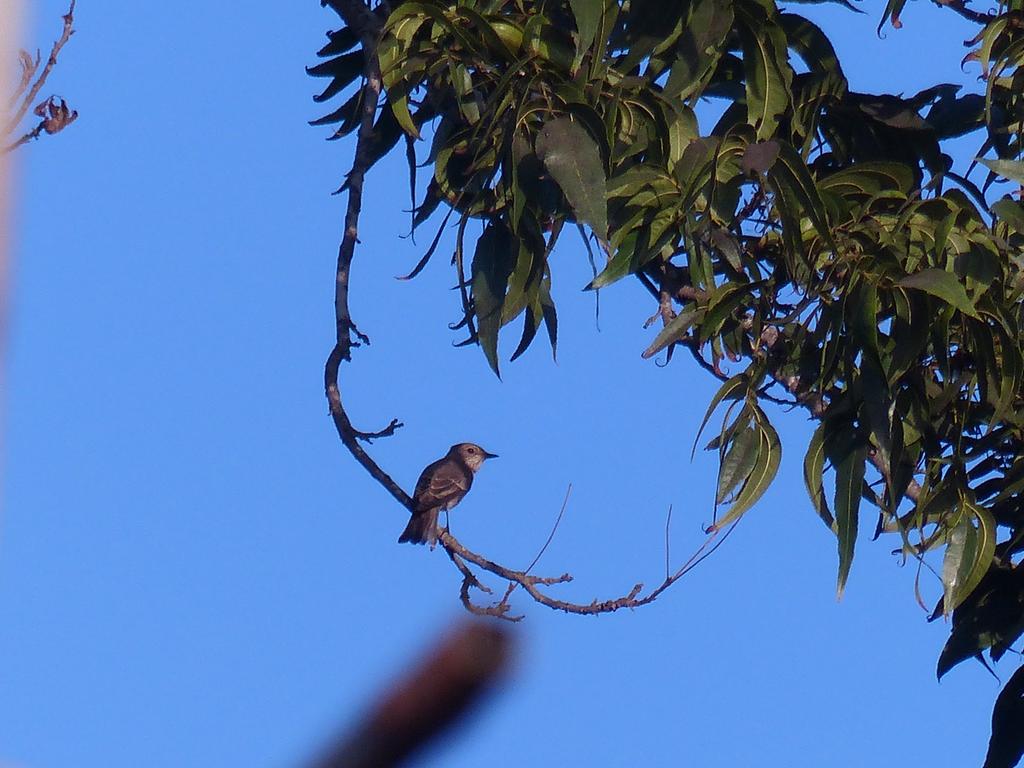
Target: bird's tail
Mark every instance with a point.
(422, 528)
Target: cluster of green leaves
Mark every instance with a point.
(818, 234)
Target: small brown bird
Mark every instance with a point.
(441, 486)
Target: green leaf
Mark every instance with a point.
(811, 44)
(1008, 169)
(547, 307)
(572, 157)
(868, 178)
(588, 15)
(700, 47)
(814, 468)
(790, 173)
(968, 555)
(943, 285)
(493, 262)
(733, 389)
(766, 466)
(1011, 212)
(738, 463)
(909, 331)
(768, 74)
(675, 330)
(847, 453)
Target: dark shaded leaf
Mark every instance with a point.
(572, 157)
(1010, 211)
(759, 157)
(1006, 745)
(700, 47)
(847, 452)
(493, 262)
(588, 15)
(814, 468)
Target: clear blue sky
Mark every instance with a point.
(193, 571)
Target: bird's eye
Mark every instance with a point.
(471, 450)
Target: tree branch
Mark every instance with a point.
(425, 702)
(348, 337)
(29, 69)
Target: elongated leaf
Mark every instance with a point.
(588, 18)
(846, 3)
(957, 561)
(847, 453)
(812, 44)
(790, 173)
(1011, 212)
(814, 468)
(738, 462)
(1006, 745)
(700, 47)
(968, 555)
(550, 315)
(493, 262)
(733, 389)
(944, 285)
(1008, 169)
(672, 332)
(768, 74)
(573, 159)
(766, 466)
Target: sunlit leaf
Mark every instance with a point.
(968, 555)
(738, 462)
(767, 69)
(675, 330)
(733, 389)
(766, 466)
(943, 285)
(1008, 169)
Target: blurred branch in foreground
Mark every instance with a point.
(427, 701)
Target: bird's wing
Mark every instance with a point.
(442, 483)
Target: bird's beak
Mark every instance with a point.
(490, 455)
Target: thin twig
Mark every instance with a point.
(554, 528)
(668, 528)
(30, 136)
(28, 71)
